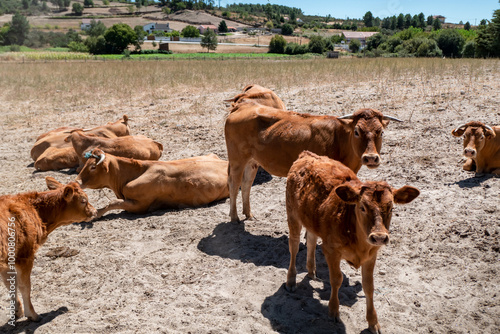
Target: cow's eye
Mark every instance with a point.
(381, 133)
(356, 132)
(363, 208)
(84, 200)
(93, 167)
(482, 137)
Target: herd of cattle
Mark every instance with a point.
(319, 155)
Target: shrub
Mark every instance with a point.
(450, 42)
(469, 50)
(277, 44)
(77, 47)
(428, 48)
(296, 49)
(77, 9)
(15, 48)
(354, 45)
(287, 29)
(190, 31)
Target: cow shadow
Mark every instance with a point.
(474, 181)
(262, 177)
(67, 171)
(302, 312)
(231, 240)
(28, 326)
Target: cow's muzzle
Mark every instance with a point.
(378, 239)
(470, 152)
(371, 160)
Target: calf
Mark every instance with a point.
(259, 95)
(481, 147)
(26, 220)
(137, 147)
(149, 185)
(351, 217)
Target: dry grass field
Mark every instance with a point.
(191, 270)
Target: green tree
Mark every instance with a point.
(436, 24)
(209, 40)
(401, 22)
(469, 50)
(354, 45)
(495, 31)
(140, 33)
(430, 20)
(223, 27)
(368, 19)
(277, 44)
(88, 3)
(119, 37)
(77, 9)
(96, 45)
(97, 28)
(317, 44)
(450, 42)
(190, 31)
(287, 29)
(18, 30)
(26, 4)
(421, 20)
(467, 25)
(407, 21)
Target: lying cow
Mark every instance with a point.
(351, 217)
(481, 147)
(259, 95)
(143, 186)
(26, 220)
(52, 152)
(136, 147)
(273, 138)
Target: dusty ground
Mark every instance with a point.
(192, 271)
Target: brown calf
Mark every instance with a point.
(259, 95)
(273, 138)
(149, 185)
(351, 217)
(481, 147)
(26, 220)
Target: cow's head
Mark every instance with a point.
(366, 127)
(120, 127)
(77, 207)
(374, 202)
(94, 173)
(475, 136)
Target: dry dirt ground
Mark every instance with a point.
(192, 271)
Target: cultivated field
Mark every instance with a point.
(192, 271)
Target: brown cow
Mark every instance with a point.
(481, 147)
(136, 147)
(273, 138)
(26, 220)
(143, 186)
(351, 217)
(52, 152)
(259, 95)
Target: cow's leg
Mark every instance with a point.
(120, 204)
(294, 227)
(371, 314)
(333, 260)
(24, 281)
(312, 240)
(234, 178)
(469, 165)
(248, 176)
(496, 171)
(19, 306)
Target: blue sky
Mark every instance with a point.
(454, 10)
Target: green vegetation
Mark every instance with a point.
(190, 31)
(209, 40)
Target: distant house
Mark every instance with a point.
(154, 26)
(85, 24)
(359, 35)
(231, 29)
(299, 20)
(439, 17)
(202, 28)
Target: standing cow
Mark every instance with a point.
(351, 217)
(481, 147)
(26, 220)
(143, 186)
(273, 138)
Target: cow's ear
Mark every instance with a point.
(385, 122)
(490, 134)
(347, 122)
(459, 132)
(68, 193)
(348, 193)
(405, 194)
(52, 183)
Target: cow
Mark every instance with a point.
(273, 138)
(137, 147)
(351, 217)
(259, 95)
(26, 220)
(52, 152)
(481, 147)
(142, 186)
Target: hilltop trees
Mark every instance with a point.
(18, 30)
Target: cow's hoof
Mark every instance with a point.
(375, 329)
(335, 318)
(250, 217)
(291, 288)
(35, 318)
(19, 314)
